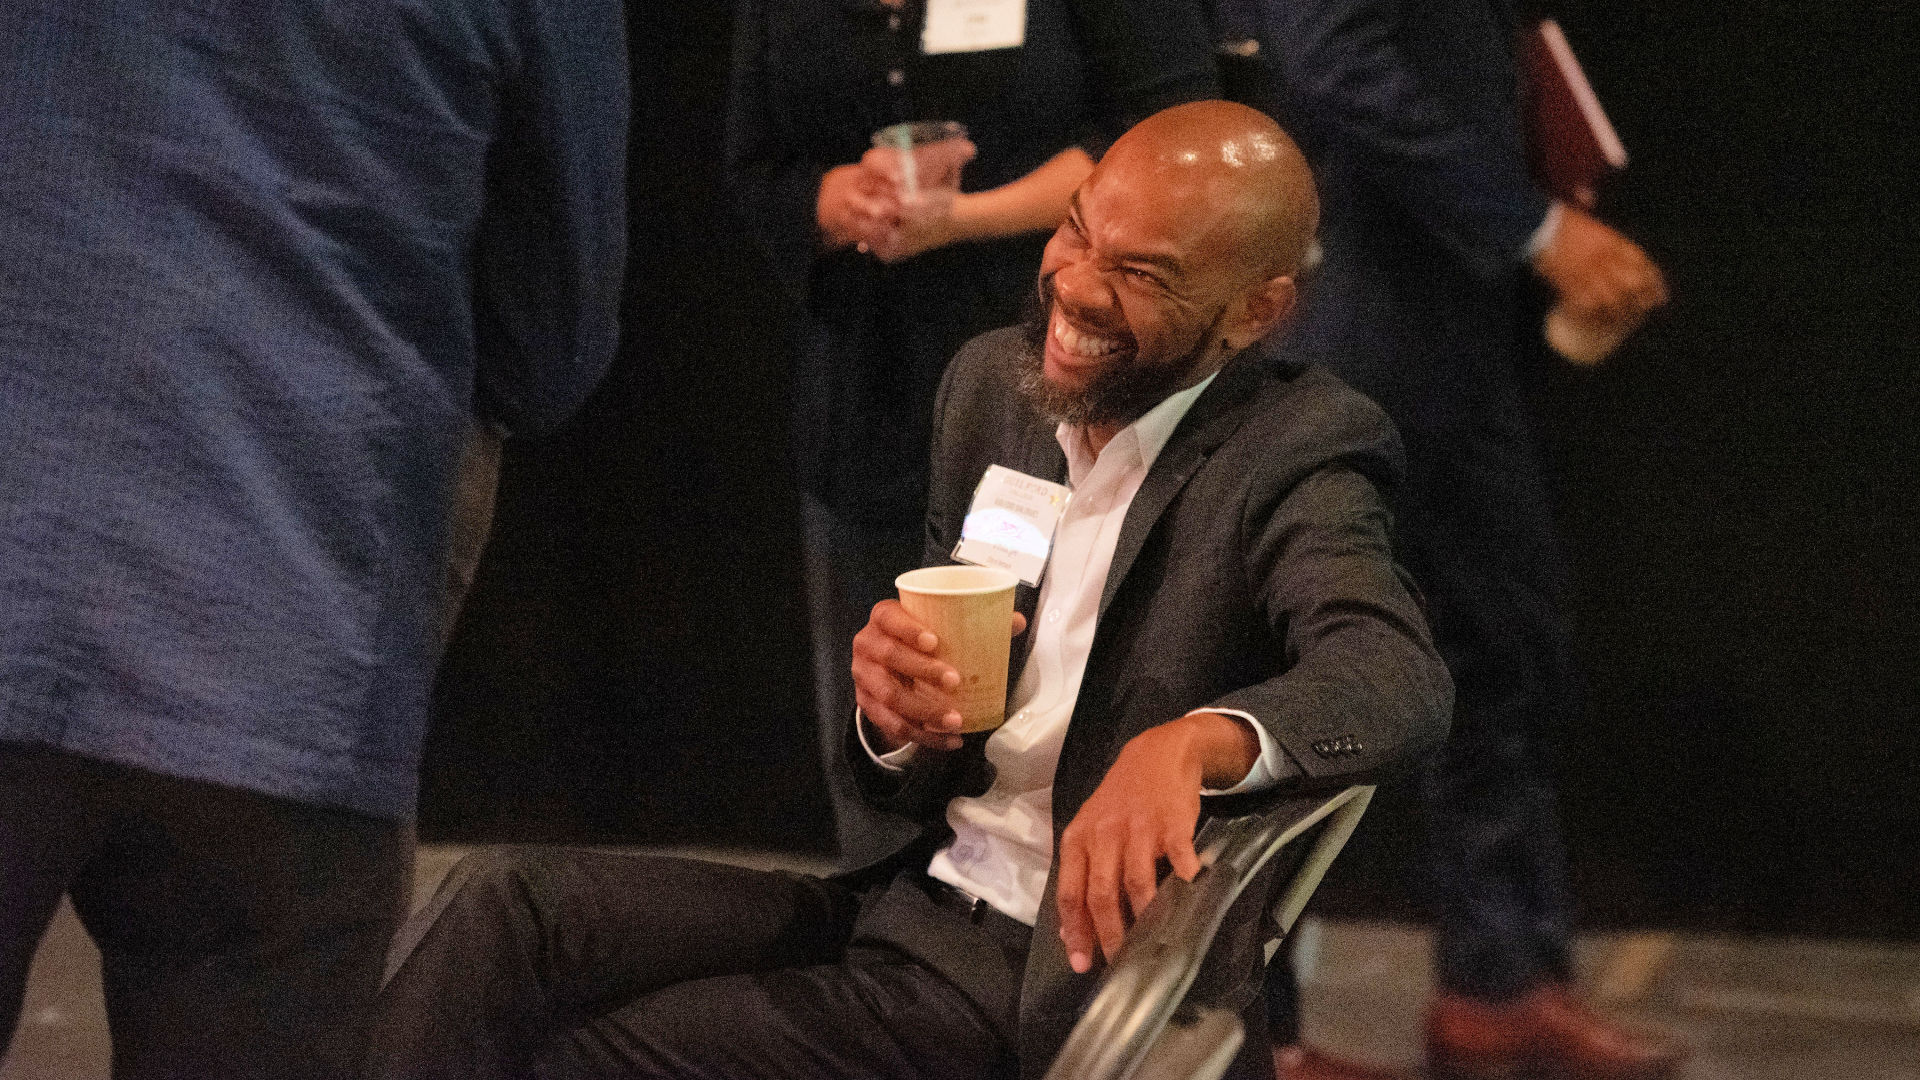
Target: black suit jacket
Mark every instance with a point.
(1253, 571)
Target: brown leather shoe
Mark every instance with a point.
(1548, 1033)
(1299, 1062)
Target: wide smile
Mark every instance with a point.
(1070, 346)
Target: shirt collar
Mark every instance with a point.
(1143, 439)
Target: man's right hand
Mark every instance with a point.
(856, 207)
(904, 692)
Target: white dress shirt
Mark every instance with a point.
(1003, 840)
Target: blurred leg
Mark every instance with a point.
(876, 1014)
(521, 945)
(240, 936)
(49, 822)
(1481, 538)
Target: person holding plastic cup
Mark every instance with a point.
(894, 258)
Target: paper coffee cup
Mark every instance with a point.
(970, 610)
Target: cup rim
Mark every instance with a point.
(1001, 579)
(918, 133)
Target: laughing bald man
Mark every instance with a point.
(1220, 600)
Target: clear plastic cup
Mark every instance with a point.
(922, 158)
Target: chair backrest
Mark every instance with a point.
(1138, 1023)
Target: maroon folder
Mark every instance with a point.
(1571, 144)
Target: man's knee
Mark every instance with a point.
(493, 880)
(490, 895)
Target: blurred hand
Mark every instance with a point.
(904, 692)
(856, 207)
(1144, 810)
(1600, 276)
(925, 220)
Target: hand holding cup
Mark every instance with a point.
(926, 676)
(921, 162)
(1605, 286)
(856, 207)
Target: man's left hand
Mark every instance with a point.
(1144, 810)
(1599, 273)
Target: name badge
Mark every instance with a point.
(1010, 524)
(956, 26)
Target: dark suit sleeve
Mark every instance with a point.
(550, 247)
(1363, 689)
(1346, 72)
(948, 494)
(922, 789)
(1147, 55)
(776, 186)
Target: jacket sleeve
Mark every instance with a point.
(775, 186)
(550, 248)
(1345, 71)
(1363, 690)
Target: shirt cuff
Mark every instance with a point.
(893, 760)
(1267, 768)
(1548, 229)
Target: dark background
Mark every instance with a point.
(1737, 491)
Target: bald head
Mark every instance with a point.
(1226, 156)
(1178, 252)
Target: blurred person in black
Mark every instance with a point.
(1409, 113)
(886, 298)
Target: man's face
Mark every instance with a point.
(1133, 285)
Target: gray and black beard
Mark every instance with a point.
(1121, 394)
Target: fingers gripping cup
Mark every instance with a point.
(970, 610)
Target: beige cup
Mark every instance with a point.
(970, 609)
(1586, 341)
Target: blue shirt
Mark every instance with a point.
(257, 263)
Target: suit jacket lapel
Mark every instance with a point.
(1040, 457)
(1207, 424)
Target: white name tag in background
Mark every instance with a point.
(955, 26)
(1010, 524)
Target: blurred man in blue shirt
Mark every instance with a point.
(258, 268)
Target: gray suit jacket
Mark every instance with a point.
(1254, 571)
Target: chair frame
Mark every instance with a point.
(1136, 1024)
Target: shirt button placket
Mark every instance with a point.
(897, 68)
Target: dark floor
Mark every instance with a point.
(1754, 1009)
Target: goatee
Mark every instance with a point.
(1120, 393)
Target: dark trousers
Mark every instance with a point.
(1439, 352)
(569, 963)
(240, 936)
(1479, 537)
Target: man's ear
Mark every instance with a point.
(1261, 308)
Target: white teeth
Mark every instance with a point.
(1079, 343)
